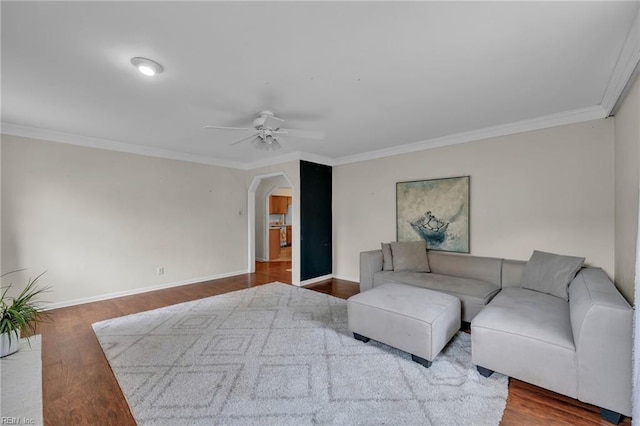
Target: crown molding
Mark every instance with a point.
(110, 145)
(293, 156)
(316, 158)
(553, 120)
(624, 69)
(285, 158)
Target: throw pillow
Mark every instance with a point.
(551, 273)
(410, 256)
(387, 259)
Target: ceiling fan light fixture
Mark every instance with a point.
(147, 66)
(266, 144)
(258, 122)
(265, 131)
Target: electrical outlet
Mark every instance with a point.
(161, 270)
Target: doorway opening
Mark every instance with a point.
(279, 212)
(272, 245)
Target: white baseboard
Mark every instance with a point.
(346, 278)
(261, 259)
(139, 290)
(315, 280)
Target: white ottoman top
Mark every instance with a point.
(412, 301)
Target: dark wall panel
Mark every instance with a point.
(315, 220)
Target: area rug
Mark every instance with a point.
(281, 355)
(21, 384)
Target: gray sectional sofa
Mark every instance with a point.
(580, 347)
(474, 280)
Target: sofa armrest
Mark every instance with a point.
(601, 320)
(370, 263)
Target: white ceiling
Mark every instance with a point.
(377, 77)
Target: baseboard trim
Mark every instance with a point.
(315, 280)
(114, 295)
(345, 278)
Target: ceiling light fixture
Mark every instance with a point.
(147, 66)
(266, 143)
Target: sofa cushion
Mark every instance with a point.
(487, 269)
(527, 335)
(387, 258)
(474, 294)
(410, 256)
(512, 271)
(530, 314)
(550, 273)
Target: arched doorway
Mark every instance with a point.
(258, 224)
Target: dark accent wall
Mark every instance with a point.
(315, 220)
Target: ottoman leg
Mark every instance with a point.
(610, 416)
(424, 362)
(361, 337)
(484, 372)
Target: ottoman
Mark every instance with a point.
(409, 318)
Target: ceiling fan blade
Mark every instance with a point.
(298, 115)
(243, 139)
(272, 122)
(229, 128)
(306, 134)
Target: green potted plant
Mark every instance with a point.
(17, 314)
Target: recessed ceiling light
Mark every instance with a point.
(147, 66)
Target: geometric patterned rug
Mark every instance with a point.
(277, 354)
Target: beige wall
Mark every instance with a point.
(102, 222)
(262, 213)
(1, 270)
(627, 145)
(106, 220)
(548, 190)
(627, 165)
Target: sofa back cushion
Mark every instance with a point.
(409, 256)
(459, 265)
(387, 258)
(512, 271)
(551, 273)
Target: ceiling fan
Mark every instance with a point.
(267, 131)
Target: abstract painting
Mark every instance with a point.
(436, 211)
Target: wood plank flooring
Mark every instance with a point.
(80, 389)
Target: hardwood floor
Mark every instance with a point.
(285, 255)
(79, 387)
